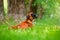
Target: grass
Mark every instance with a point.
(43, 29)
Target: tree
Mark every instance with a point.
(17, 9)
(1, 10)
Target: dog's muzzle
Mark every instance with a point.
(34, 15)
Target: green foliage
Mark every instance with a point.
(50, 7)
(26, 2)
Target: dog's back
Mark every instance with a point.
(23, 25)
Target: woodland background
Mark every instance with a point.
(46, 26)
(19, 8)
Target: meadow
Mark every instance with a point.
(43, 29)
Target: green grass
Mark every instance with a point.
(42, 30)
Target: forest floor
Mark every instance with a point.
(42, 30)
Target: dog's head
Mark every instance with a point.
(31, 16)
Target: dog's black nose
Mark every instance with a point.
(34, 16)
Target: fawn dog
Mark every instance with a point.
(26, 23)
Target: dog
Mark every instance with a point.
(28, 22)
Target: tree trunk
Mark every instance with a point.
(31, 7)
(17, 9)
(21, 9)
(1, 11)
(40, 11)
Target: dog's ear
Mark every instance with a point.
(28, 17)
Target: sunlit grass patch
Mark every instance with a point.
(38, 33)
